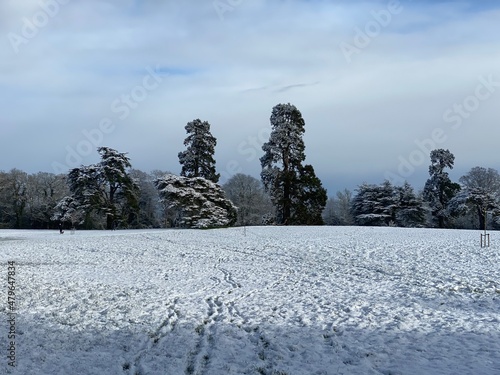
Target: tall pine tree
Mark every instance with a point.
(198, 158)
(439, 189)
(295, 190)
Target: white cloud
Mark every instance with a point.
(233, 72)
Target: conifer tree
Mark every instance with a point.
(196, 201)
(439, 189)
(411, 211)
(375, 204)
(311, 200)
(286, 180)
(105, 188)
(198, 158)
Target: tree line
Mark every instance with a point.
(472, 203)
(111, 194)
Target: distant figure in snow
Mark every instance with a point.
(61, 231)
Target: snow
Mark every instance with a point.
(200, 203)
(265, 300)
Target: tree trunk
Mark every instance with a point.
(287, 209)
(110, 216)
(110, 222)
(441, 222)
(482, 218)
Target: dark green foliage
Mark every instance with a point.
(311, 199)
(198, 158)
(295, 191)
(439, 189)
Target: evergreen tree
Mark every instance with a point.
(410, 212)
(375, 205)
(68, 210)
(389, 201)
(311, 199)
(439, 189)
(198, 158)
(365, 206)
(106, 188)
(198, 202)
(284, 177)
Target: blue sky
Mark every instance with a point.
(421, 73)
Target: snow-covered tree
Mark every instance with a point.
(439, 189)
(198, 202)
(283, 175)
(410, 209)
(106, 188)
(68, 210)
(282, 160)
(247, 193)
(480, 193)
(375, 205)
(198, 158)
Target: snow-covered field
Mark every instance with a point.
(278, 300)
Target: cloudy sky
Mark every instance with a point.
(379, 83)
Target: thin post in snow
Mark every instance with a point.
(485, 238)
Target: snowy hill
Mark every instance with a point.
(273, 300)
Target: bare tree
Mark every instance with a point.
(45, 190)
(247, 193)
(14, 198)
(338, 209)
